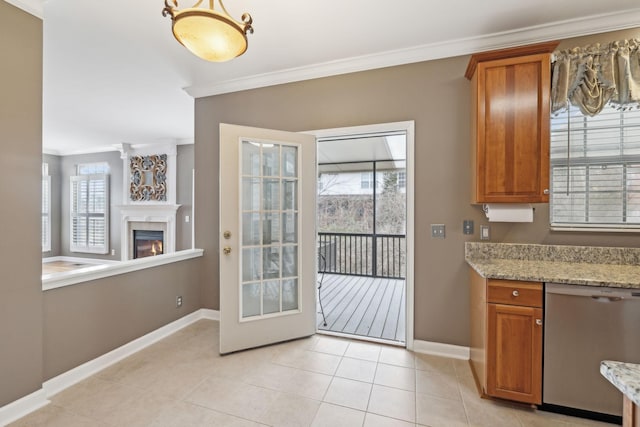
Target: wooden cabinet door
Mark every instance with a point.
(512, 130)
(514, 353)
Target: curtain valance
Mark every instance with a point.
(590, 77)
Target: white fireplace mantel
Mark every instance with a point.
(164, 214)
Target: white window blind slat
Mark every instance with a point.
(90, 213)
(595, 169)
(46, 208)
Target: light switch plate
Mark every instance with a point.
(437, 231)
(484, 232)
(467, 226)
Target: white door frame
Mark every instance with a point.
(408, 128)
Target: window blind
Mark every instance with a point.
(46, 211)
(90, 213)
(595, 169)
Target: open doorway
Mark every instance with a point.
(362, 222)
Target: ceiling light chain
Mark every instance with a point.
(207, 33)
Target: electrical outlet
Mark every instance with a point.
(113, 252)
(437, 231)
(484, 232)
(178, 301)
(186, 218)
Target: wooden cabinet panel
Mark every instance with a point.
(515, 292)
(630, 413)
(514, 353)
(510, 124)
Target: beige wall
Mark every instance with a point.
(87, 320)
(43, 334)
(436, 95)
(20, 183)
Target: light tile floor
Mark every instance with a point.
(182, 381)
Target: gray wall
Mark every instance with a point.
(55, 172)
(21, 318)
(184, 182)
(62, 167)
(84, 321)
(437, 96)
(68, 168)
(46, 333)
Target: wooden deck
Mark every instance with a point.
(365, 306)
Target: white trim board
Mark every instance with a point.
(23, 406)
(36, 400)
(34, 7)
(546, 32)
(409, 128)
(441, 349)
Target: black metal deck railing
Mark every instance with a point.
(357, 254)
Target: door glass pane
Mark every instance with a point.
(271, 297)
(250, 264)
(289, 261)
(289, 195)
(271, 262)
(270, 159)
(269, 219)
(289, 161)
(251, 299)
(289, 227)
(289, 294)
(250, 229)
(271, 194)
(250, 194)
(250, 158)
(271, 229)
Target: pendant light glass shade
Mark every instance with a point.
(209, 34)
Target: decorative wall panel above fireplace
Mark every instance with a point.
(148, 178)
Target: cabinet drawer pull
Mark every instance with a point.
(515, 293)
(546, 191)
(539, 322)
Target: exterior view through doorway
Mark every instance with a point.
(365, 188)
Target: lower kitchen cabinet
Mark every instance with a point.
(630, 413)
(506, 338)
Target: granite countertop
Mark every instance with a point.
(577, 265)
(625, 376)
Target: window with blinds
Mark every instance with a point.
(595, 169)
(90, 211)
(46, 208)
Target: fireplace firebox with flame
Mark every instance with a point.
(147, 243)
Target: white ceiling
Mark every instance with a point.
(114, 74)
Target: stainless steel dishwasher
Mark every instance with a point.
(583, 326)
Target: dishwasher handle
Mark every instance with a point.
(605, 299)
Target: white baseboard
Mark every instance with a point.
(210, 314)
(440, 349)
(23, 406)
(38, 399)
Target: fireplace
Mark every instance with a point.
(147, 243)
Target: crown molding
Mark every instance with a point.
(118, 147)
(34, 7)
(465, 46)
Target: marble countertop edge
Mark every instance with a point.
(587, 274)
(624, 376)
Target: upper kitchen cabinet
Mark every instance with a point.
(510, 124)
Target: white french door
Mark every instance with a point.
(267, 236)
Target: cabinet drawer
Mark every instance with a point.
(514, 292)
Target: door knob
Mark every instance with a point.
(226, 250)
(539, 322)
